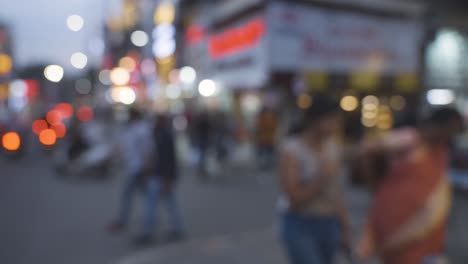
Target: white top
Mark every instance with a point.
(136, 144)
(324, 203)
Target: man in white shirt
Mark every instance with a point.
(136, 147)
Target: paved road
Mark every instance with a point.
(45, 220)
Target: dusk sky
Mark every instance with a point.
(40, 33)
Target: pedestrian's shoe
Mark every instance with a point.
(144, 240)
(116, 227)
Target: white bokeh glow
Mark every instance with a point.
(187, 75)
(18, 88)
(164, 48)
(126, 95)
(119, 76)
(53, 73)
(164, 31)
(104, 77)
(75, 22)
(440, 97)
(139, 38)
(207, 88)
(79, 60)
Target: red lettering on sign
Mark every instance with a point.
(237, 39)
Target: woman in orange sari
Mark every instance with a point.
(407, 222)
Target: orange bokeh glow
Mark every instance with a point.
(85, 113)
(11, 141)
(48, 137)
(39, 125)
(60, 130)
(54, 117)
(65, 109)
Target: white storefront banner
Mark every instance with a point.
(306, 38)
(241, 62)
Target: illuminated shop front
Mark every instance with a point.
(285, 52)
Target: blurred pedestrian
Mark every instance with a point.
(266, 130)
(203, 137)
(222, 135)
(135, 148)
(314, 219)
(407, 223)
(163, 182)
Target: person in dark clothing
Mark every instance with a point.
(163, 182)
(203, 133)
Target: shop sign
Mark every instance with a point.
(238, 54)
(310, 38)
(235, 40)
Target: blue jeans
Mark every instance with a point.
(310, 239)
(153, 195)
(131, 184)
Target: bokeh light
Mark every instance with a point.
(79, 60)
(164, 13)
(126, 95)
(83, 86)
(65, 109)
(304, 101)
(397, 102)
(368, 122)
(104, 77)
(349, 103)
(48, 137)
(440, 96)
(139, 38)
(163, 48)
(11, 141)
(18, 88)
(207, 88)
(53, 73)
(174, 76)
(6, 64)
(54, 117)
(120, 76)
(187, 75)
(39, 125)
(128, 63)
(60, 130)
(75, 22)
(370, 100)
(85, 114)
